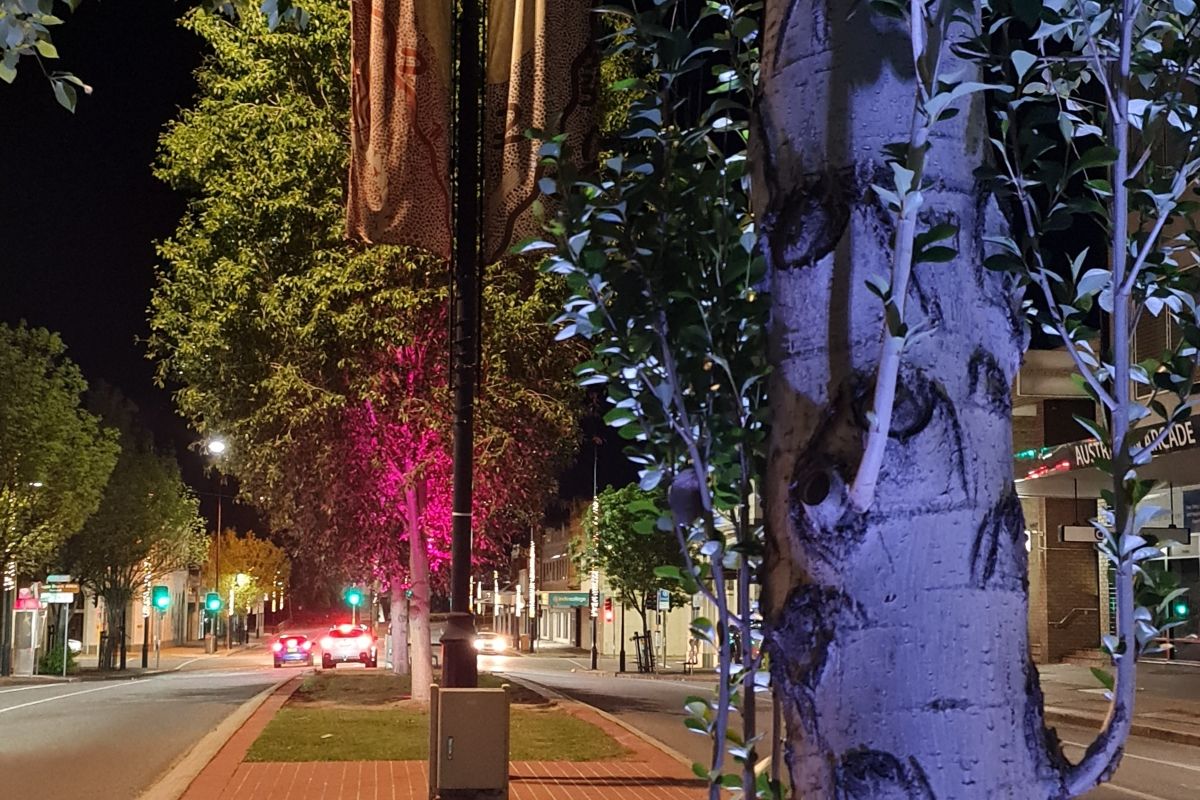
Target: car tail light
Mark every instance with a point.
(327, 643)
(364, 642)
(307, 645)
(277, 646)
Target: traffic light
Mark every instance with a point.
(161, 597)
(354, 596)
(212, 602)
(1180, 608)
(608, 609)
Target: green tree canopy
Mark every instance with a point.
(148, 523)
(622, 536)
(54, 456)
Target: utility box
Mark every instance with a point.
(468, 744)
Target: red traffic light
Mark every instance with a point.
(608, 609)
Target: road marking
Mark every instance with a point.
(1128, 754)
(64, 696)
(36, 686)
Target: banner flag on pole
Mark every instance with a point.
(542, 74)
(399, 188)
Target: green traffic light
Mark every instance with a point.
(161, 597)
(1180, 608)
(353, 597)
(212, 601)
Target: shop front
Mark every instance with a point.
(1071, 591)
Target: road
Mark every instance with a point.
(1151, 770)
(109, 740)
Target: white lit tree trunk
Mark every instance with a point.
(897, 635)
(418, 607)
(399, 626)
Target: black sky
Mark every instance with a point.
(80, 210)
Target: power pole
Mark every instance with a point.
(458, 651)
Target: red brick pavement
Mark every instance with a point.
(646, 773)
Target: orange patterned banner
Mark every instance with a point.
(542, 74)
(399, 191)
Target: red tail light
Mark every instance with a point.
(277, 646)
(327, 643)
(307, 645)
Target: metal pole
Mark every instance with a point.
(216, 642)
(158, 641)
(621, 662)
(66, 649)
(458, 653)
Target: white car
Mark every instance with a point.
(348, 644)
(490, 643)
(75, 646)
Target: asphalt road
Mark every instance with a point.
(109, 740)
(1151, 770)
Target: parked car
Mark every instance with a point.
(346, 644)
(74, 646)
(292, 648)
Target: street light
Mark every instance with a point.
(217, 447)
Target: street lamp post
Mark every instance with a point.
(216, 447)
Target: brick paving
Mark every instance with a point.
(646, 773)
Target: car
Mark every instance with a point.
(74, 646)
(490, 643)
(292, 648)
(348, 644)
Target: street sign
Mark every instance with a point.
(57, 597)
(73, 588)
(664, 600)
(569, 599)
(58, 579)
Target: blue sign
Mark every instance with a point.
(664, 600)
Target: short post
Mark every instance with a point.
(621, 662)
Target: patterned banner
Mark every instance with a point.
(542, 74)
(399, 190)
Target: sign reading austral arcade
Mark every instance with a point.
(1081, 455)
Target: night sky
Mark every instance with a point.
(80, 211)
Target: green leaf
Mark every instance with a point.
(1106, 679)
(65, 95)
(937, 254)
(1099, 156)
(46, 49)
(1022, 61)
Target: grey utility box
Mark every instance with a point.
(468, 744)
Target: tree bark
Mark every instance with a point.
(399, 625)
(897, 635)
(418, 608)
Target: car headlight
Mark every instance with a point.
(480, 644)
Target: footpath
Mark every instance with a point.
(1167, 706)
(643, 773)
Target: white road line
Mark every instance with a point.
(64, 696)
(35, 686)
(1127, 754)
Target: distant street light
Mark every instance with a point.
(216, 447)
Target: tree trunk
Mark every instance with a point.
(897, 636)
(418, 607)
(399, 624)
